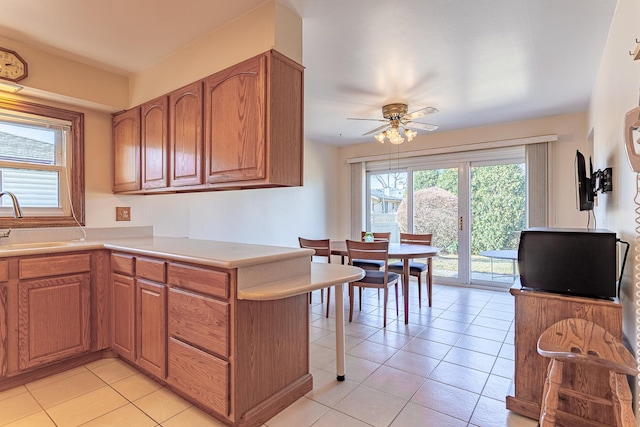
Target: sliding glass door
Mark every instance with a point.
(498, 212)
(474, 207)
(436, 210)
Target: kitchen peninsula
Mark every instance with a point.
(223, 324)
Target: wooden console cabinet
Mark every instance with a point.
(536, 311)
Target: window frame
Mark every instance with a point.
(75, 166)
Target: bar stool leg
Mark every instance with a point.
(621, 399)
(552, 384)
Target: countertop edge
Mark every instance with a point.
(321, 276)
(204, 252)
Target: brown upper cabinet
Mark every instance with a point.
(238, 128)
(154, 143)
(126, 151)
(185, 116)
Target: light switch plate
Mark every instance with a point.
(123, 213)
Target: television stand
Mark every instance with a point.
(535, 311)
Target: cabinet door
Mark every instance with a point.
(126, 151)
(123, 305)
(151, 315)
(185, 140)
(153, 129)
(235, 123)
(53, 319)
(3, 331)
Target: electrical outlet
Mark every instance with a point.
(123, 213)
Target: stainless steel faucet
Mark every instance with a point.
(17, 211)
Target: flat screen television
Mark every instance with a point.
(569, 261)
(584, 183)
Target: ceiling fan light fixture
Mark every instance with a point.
(410, 134)
(380, 137)
(397, 117)
(394, 136)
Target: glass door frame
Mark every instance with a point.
(494, 162)
(463, 161)
(464, 214)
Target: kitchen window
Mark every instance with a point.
(41, 162)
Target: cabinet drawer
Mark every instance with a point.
(202, 280)
(30, 268)
(151, 269)
(122, 263)
(199, 320)
(200, 375)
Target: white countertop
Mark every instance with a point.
(206, 252)
(264, 272)
(321, 276)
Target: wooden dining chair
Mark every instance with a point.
(374, 251)
(323, 249)
(415, 268)
(372, 264)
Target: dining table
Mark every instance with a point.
(405, 252)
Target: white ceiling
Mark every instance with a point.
(480, 62)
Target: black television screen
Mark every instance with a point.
(584, 184)
(569, 261)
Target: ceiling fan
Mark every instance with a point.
(395, 118)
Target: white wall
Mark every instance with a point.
(255, 32)
(616, 91)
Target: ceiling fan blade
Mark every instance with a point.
(418, 125)
(375, 130)
(375, 120)
(419, 113)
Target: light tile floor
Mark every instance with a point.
(450, 366)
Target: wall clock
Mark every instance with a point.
(12, 66)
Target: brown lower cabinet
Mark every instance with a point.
(123, 289)
(3, 322)
(45, 311)
(53, 319)
(151, 330)
(140, 311)
(180, 323)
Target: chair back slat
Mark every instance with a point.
(378, 236)
(321, 246)
(368, 250)
(416, 239)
